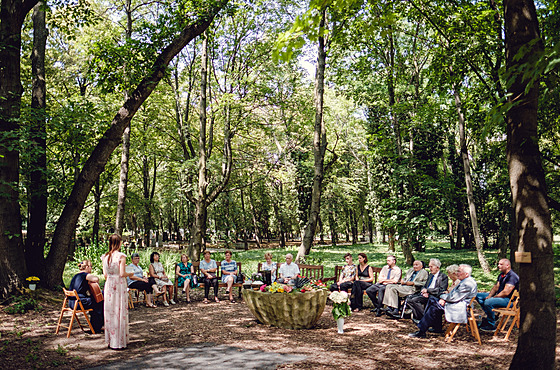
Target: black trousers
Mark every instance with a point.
(207, 282)
(376, 290)
(142, 285)
(343, 287)
(357, 298)
(95, 316)
(417, 302)
(432, 316)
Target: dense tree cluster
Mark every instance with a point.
(260, 120)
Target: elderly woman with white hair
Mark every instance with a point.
(288, 271)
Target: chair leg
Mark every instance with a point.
(474, 330)
(500, 325)
(61, 315)
(451, 330)
(71, 324)
(515, 319)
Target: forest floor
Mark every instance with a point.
(28, 341)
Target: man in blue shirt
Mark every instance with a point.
(499, 295)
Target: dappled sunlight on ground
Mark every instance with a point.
(28, 341)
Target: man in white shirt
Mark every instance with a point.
(288, 271)
(390, 274)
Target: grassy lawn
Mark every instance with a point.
(330, 256)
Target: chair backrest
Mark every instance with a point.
(470, 307)
(513, 301)
(71, 293)
(314, 272)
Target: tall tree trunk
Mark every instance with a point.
(319, 148)
(391, 238)
(125, 153)
(254, 218)
(123, 182)
(198, 241)
(332, 227)
(96, 212)
(468, 181)
(537, 338)
(37, 191)
(12, 260)
(110, 140)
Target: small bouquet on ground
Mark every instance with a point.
(33, 279)
(341, 306)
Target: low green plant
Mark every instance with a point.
(61, 350)
(31, 357)
(22, 304)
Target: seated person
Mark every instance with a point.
(229, 274)
(413, 281)
(453, 304)
(499, 295)
(390, 274)
(453, 278)
(208, 268)
(80, 283)
(184, 273)
(435, 286)
(288, 271)
(162, 281)
(138, 281)
(269, 266)
(364, 279)
(347, 275)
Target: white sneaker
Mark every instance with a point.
(172, 301)
(165, 304)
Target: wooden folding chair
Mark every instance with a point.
(471, 325)
(78, 307)
(510, 311)
(134, 297)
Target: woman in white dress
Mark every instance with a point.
(115, 295)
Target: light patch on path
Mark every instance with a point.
(203, 355)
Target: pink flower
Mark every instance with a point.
(288, 289)
(262, 288)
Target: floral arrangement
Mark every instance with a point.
(33, 279)
(303, 285)
(257, 276)
(341, 307)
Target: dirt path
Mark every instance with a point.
(28, 341)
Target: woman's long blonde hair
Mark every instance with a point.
(115, 242)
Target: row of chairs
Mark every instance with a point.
(510, 312)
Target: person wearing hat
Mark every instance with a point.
(138, 281)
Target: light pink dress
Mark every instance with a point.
(116, 303)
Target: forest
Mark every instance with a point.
(212, 122)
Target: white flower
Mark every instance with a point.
(339, 297)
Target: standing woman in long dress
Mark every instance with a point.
(116, 296)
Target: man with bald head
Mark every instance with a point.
(499, 295)
(413, 281)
